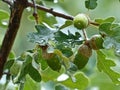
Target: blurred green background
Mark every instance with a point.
(105, 8)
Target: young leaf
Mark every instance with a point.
(91, 4)
(67, 23)
(80, 83)
(8, 64)
(15, 68)
(105, 65)
(30, 84)
(68, 39)
(50, 75)
(25, 69)
(42, 36)
(34, 74)
(11, 55)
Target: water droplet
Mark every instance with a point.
(28, 9)
(73, 79)
(4, 23)
(118, 79)
(62, 77)
(55, 1)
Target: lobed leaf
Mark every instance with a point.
(81, 82)
(105, 65)
(68, 39)
(42, 36)
(107, 20)
(112, 32)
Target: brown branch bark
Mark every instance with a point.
(14, 23)
(50, 10)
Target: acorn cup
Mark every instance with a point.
(82, 56)
(96, 42)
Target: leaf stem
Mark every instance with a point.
(84, 34)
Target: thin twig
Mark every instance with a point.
(50, 10)
(94, 23)
(84, 34)
(35, 14)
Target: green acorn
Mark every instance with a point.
(81, 21)
(54, 62)
(82, 56)
(96, 42)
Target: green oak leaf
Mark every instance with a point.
(50, 75)
(15, 68)
(11, 55)
(30, 84)
(91, 4)
(81, 82)
(34, 73)
(112, 32)
(66, 24)
(68, 39)
(67, 51)
(104, 64)
(24, 70)
(39, 59)
(8, 64)
(110, 42)
(42, 36)
(107, 20)
(105, 28)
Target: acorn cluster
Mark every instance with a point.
(82, 21)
